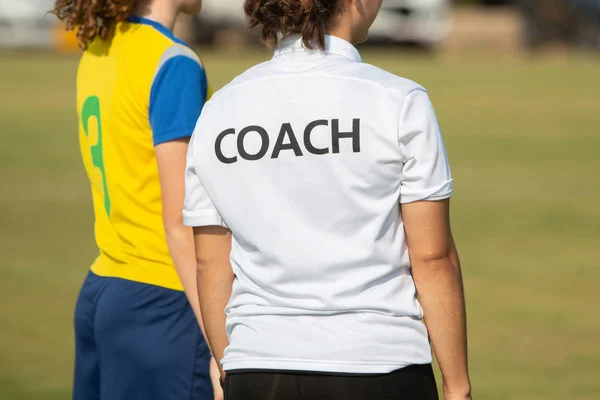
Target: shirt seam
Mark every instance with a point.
(400, 118)
(158, 71)
(308, 361)
(192, 56)
(179, 133)
(284, 53)
(433, 196)
(312, 74)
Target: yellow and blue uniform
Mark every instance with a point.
(142, 88)
(136, 334)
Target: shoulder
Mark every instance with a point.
(396, 85)
(383, 79)
(167, 49)
(150, 49)
(178, 54)
(255, 72)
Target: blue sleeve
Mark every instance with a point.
(176, 99)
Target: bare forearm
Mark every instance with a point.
(180, 240)
(214, 287)
(441, 294)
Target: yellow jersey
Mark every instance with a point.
(141, 88)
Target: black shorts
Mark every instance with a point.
(415, 382)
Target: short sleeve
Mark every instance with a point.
(198, 208)
(177, 96)
(425, 171)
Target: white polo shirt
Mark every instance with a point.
(306, 158)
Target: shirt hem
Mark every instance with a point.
(171, 135)
(195, 219)
(171, 281)
(433, 194)
(318, 366)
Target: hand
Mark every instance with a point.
(215, 374)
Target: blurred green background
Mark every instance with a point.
(523, 136)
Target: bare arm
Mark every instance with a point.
(171, 159)
(437, 274)
(215, 279)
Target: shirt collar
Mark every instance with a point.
(333, 45)
(134, 19)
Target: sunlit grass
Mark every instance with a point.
(524, 142)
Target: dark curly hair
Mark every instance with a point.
(92, 18)
(276, 18)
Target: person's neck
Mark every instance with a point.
(342, 32)
(159, 11)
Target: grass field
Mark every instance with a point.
(524, 142)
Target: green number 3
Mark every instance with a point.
(91, 108)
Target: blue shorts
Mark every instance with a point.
(135, 341)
